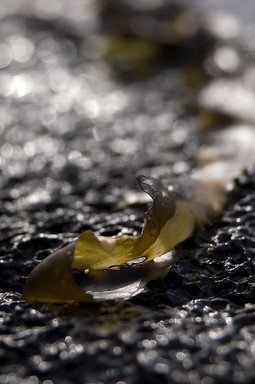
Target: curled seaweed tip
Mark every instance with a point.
(115, 267)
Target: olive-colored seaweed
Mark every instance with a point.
(117, 267)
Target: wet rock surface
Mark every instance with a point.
(76, 128)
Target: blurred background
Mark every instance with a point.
(99, 90)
